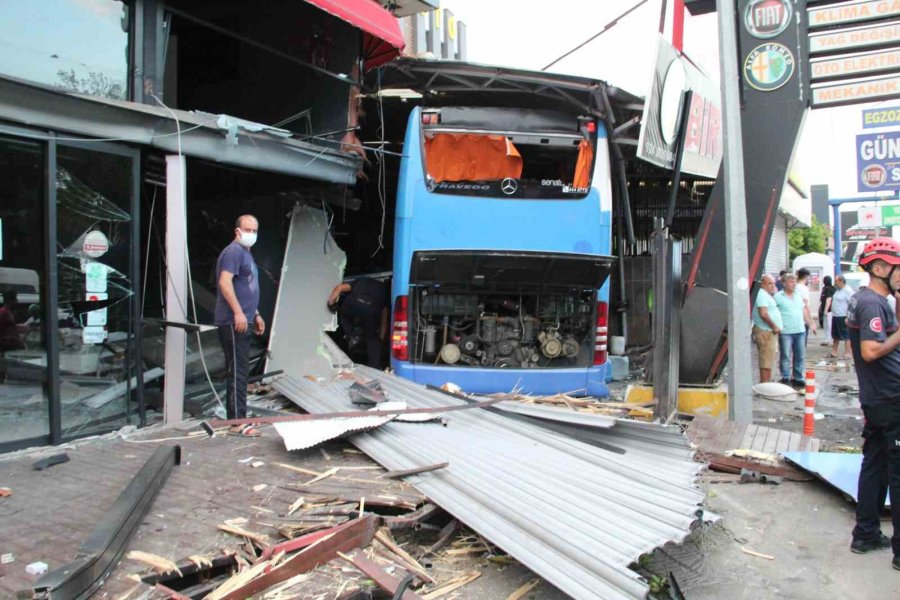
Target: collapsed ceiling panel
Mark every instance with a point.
(313, 265)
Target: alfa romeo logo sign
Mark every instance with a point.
(768, 67)
(766, 19)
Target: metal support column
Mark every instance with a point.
(836, 225)
(667, 299)
(740, 374)
(176, 287)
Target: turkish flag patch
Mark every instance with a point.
(875, 325)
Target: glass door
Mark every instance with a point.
(95, 200)
(24, 387)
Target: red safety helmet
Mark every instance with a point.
(884, 248)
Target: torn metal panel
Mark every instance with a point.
(837, 469)
(299, 435)
(103, 549)
(562, 415)
(313, 265)
(575, 514)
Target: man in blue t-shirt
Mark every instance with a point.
(237, 300)
(875, 340)
(792, 339)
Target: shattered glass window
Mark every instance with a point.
(75, 45)
(500, 165)
(24, 396)
(94, 195)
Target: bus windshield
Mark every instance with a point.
(478, 153)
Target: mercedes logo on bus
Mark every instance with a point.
(509, 186)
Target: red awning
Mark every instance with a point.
(382, 38)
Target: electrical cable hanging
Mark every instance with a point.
(189, 274)
(382, 170)
(606, 28)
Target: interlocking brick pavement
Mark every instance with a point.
(51, 512)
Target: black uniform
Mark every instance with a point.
(364, 303)
(870, 318)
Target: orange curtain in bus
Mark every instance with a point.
(583, 165)
(471, 157)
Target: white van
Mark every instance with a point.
(24, 281)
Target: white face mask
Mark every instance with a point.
(246, 239)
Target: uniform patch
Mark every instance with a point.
(875, 325)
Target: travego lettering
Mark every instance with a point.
(463, 186)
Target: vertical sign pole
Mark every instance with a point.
(740, 405)
(176, 288)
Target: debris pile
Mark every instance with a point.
(576, 502)
(328, 535)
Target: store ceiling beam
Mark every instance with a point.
(196, 135)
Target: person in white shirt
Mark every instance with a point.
(802, 290)
(838, 305)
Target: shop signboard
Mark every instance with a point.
(673, 75)
(851, 12)
(856, 91)
(878, 161)
(888, 116)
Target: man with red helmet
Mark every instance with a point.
(875, 340)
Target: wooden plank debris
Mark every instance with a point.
(260, 539)
(267, 573)
(452, 585)
(524, 590)
(714, 435)
(757, 554)
(415, 471)
(382, 578)
(159, 563)
(384, 537)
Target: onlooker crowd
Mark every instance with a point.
(782, 321)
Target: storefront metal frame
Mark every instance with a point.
(50, 283)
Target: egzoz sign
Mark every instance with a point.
(878, 161)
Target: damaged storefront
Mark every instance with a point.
(125, 158)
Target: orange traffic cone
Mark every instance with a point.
(809, 416)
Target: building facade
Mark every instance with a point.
(119, 118)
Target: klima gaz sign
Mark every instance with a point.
(878, 161)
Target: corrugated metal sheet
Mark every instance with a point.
(574, 513)
(563, 415)
(777, 256)
(299, 435)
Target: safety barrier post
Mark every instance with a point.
(809, 409)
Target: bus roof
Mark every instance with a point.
(454, 83)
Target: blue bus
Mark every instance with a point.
(502, 244)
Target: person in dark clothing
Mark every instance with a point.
(779, 283)
(828, 290)
(237, 301)
(875, 341)
(366, 301)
